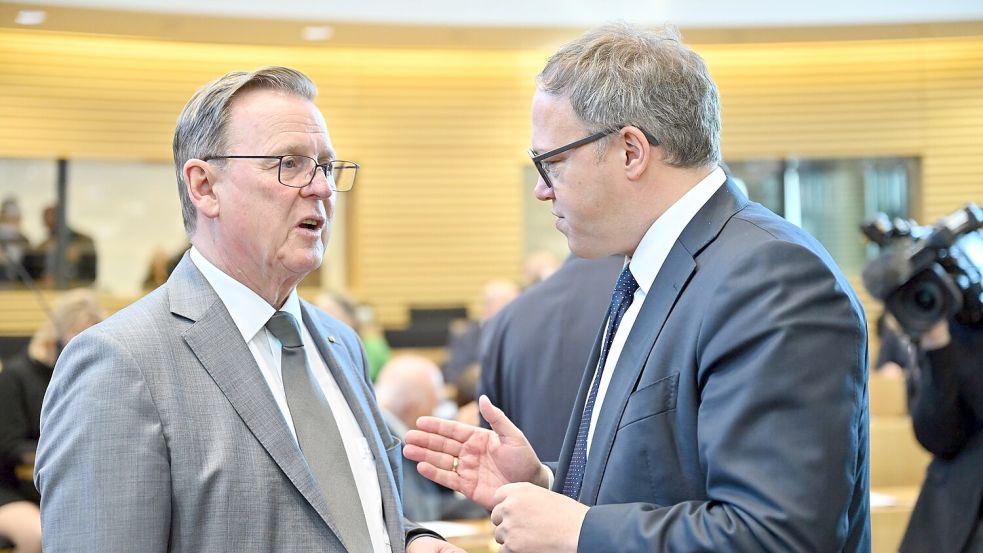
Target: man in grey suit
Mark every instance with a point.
(724, 406)
(221, 412)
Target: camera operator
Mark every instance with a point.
(931, 281)
(947, 412)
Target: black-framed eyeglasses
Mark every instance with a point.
(544, 167)
(298, 171)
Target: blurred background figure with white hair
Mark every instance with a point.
(409, 387)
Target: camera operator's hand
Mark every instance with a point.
(937, 337)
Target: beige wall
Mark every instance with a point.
(441, 134)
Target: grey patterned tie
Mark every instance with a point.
(318, 434)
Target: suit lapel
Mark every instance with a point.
(215, 340)
(570, 438)
(673, 276)
(669, 283)
(357, 394)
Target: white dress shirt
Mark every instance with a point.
(649, 256)
(250, 314)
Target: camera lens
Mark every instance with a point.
(927, 297)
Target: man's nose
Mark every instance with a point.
(322, 186)
(543, 193)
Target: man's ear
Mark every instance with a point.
(637, 150)
(199, 178)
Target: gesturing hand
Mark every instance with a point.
(487, 459)
(427, 544)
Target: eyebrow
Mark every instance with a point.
(296, 150)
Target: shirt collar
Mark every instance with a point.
(658, 240)
(248, 310)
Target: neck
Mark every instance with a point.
(270, 285)
(666, 187)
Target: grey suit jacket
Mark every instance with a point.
(159, 433)
(736, 418)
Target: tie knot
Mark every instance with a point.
(285, 328)
(626, 285)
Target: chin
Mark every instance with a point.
(305, 262)
(586, 249)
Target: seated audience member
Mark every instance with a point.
(362, 319)
(162, 264)
(538, 266)
(409, 387)
(467, 395)
(533, 376)
(22, 386)
(80, 252)
(13, 244)
(464, 343)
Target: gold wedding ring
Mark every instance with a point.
(455, 464)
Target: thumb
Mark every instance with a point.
(496, 418)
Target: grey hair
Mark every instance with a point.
(617, 75)
(201, 127)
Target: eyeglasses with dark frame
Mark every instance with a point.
(539, 160)
(298, 171)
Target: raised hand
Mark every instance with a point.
(486, 459)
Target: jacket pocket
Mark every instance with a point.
(655, 398)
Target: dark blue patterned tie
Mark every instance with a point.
(624, 291)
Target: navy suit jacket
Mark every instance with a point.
(736, 417)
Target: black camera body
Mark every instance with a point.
(926, 274)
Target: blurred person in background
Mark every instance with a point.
(466, 395)
(946, 407)
(895, 353)
(538, 266)
(81, 260)
(13, 244)
(23, 382)
(362, 319)
(162, 264)
(410, 387)
(533, 376)
(464, 342)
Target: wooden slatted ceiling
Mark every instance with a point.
(441, 134)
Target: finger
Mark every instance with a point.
(416, 439)
(497, 420)
(440, 460)
(446, 478)
(500, 536)
(457, 431)
(497, 514)
(503, 492)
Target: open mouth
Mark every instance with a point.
(311, 224)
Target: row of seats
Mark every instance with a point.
(897, 463)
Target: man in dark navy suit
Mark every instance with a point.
(724, 405)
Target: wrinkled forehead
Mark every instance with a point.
(267, 118)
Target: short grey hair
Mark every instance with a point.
(617, 75)
(201, 127)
